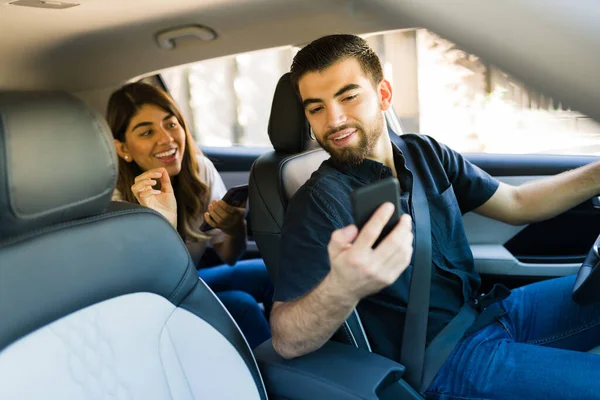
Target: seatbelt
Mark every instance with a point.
(417, 309)
(422, 364)
(442, 345)
(465, 321)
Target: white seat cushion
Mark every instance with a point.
(137, 346)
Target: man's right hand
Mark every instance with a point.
(358, 269)
(163, 200)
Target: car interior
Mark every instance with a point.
(87, 308)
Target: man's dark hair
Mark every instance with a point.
(328, 50)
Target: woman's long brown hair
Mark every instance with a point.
(190, 192)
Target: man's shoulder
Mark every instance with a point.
(426, 150)
(420, 141)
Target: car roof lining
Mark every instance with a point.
(88, 46)
(549, 44)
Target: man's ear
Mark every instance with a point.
(122, 150)
(384, 90)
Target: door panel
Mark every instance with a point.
(535, 165)
(514, 255)
(521, 254)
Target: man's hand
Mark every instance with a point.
(163, 200)
(359, 269)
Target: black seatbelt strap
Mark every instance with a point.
(417, 310)
(442, 345)
(465, 322)
(422, 364)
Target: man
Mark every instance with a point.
(533, 342)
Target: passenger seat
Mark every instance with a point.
(97, 299)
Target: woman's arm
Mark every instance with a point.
(230, 249)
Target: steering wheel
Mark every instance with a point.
(587, 285)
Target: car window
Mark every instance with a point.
(439, 90)
(227, 100)
(475, 107)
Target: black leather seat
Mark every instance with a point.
(277, 175)
(274, 178)
(98, 299)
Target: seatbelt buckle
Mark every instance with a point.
(498, 293)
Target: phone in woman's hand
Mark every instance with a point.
(235, 196)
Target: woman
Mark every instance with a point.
(160, 167)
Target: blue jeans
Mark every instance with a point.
(241, 288)
(536, 351)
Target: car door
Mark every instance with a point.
(516, 255)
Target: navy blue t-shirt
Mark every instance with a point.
(453, 187)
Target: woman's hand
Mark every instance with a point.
(227, 218)
(163, 200)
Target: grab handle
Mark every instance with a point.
(166, 39)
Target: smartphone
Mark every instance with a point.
(367, 199)
(235, 196)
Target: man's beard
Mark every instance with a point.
(355, 154)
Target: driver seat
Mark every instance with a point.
(274, 179)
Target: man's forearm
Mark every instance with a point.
(304, 325)
(544, 198)
(547, 198)
(356, 271)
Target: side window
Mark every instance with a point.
(472, 106)
(227, 100)
(439, 90)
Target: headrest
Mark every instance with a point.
(288, 128)
(57, 161)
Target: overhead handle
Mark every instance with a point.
(166, 39)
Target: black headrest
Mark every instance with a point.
(57, 161)
(288, 128)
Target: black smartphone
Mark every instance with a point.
(235, 196)
(367, 199)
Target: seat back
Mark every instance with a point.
(98, 299)
(276, 176)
